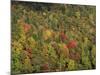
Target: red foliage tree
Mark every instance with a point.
(27, 27)
(72, 44)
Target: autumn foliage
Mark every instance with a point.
(26, 27)
(72, 44)
(48, 37)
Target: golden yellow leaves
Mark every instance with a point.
(31, 42)
(47, 34)
(27, 65)
(16, 47)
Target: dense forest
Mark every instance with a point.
(50, 37)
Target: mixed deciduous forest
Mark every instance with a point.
(50, 37)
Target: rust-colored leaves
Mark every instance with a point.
(72, 44)
(27, 27)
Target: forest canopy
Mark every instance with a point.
(51, 37)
